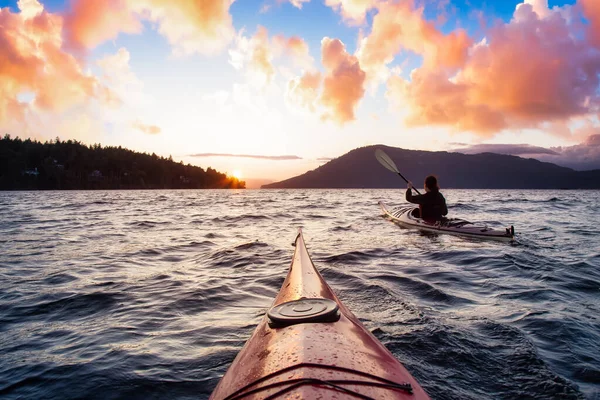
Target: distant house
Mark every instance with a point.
(30, 172)
(184, 179)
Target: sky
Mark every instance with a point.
(269, 89)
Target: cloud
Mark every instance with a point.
(401, 26)
(30, 8)
(294, 47)
(533, 70)
(203, 27)
(255, 55)
(510, 149)
(117, 75)
(583, 156)
(343, 85)
(148, 129)
(303, 91)
(353, 11)
(335, 94)
(44, 89)
(298, 3)
(593, 140)
(273, 158)
(430, 98)
(33, 61)
(591, 9)
(89, 23)
(268, 4)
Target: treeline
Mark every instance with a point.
(30, 165)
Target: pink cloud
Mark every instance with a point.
(203, 27)
(431, 99)
(33, 61)
(530, 71)
(89, 23)
(401, 26)
(591, 9)
(335, 94)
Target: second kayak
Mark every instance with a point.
(309, 345)
(405, 217)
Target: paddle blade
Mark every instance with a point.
(386, 161)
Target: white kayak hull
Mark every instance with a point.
(404, 217)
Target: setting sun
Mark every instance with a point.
(237, 174)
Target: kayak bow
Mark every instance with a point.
(309, 345)
(404, 217)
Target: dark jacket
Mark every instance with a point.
(432, 204)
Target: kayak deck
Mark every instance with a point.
(309, 345)
(404, 217)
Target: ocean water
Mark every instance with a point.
(151, 294)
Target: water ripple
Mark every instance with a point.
(151, 294)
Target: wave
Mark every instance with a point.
(155, 298)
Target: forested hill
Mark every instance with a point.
(360, 169)
(27, 164)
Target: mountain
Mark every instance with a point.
(360, 169)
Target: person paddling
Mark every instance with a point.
(432, 204)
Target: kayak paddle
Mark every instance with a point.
(387, 162)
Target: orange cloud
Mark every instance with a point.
(148, 129)
(343, 85)
(33, 61)
(591, 9)
(294, 47)
(303, 91)
(400, 26)
(256, 54)
(203, 27)
(527, 72)
(430, 98)
(338, 91)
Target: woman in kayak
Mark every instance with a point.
(432, 204)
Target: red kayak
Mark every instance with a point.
(309, 346)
